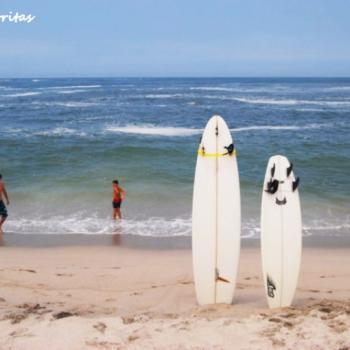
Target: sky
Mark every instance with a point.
(165, 38)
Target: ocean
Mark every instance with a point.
(63, 141)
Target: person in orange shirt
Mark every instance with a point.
(118, 197)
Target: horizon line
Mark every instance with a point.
(177, 77)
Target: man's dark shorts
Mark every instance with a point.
(116, 205)
(3, 210)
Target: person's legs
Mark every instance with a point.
(2, 220)
(114, 214)
(3, 215)
(119, 213)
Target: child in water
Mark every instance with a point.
(118, 197)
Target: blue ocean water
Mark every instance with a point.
(62, 142)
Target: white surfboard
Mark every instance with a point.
(281, 232)
(216, 216)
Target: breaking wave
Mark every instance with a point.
(24, 94)
(154, 130)
(289, 102)
(182, 131)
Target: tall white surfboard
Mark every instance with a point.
(216, 216)
(281, 232)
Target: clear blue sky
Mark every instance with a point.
(176, 38)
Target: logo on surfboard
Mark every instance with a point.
(270, 287)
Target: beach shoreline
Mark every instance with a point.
(144, 242)
(117, 297)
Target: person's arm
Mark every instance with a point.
(5, 194)
(123, 193)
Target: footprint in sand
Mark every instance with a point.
(132, 337)
(27, 270)
(100, 326)
(186, 282)
(63, 314)
(136, 293)
(22, 332)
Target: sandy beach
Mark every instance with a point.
(115, 297)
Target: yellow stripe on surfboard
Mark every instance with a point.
(204, 154)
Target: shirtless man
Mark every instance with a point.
(118, 197)
(3, 210)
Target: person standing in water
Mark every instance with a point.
(3, 210)
(118, 197)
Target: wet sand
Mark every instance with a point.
(145, 242)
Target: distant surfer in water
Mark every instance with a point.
(3, 210)
(118, 197)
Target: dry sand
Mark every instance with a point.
(105, 297)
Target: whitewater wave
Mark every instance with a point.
(71, 87)
(289, 102)
(182, 131)
(151, 227)
(60, 132)
(241, 89)
(154, 130)
(215, 88)
(71, 104)
(155, 96)
(24, 94)
(279, 127)
(70, 91)
(309, 109)
(338, 88)
(79, 223)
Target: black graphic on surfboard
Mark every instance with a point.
(270, 287)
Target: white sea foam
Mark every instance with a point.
(290, 102)
(279, 127)
(151, 227)
(71, 87)
(310, 109)
(70, 91)
(338, 88)
(24, 94)
(154, 130)
(155, 96)
(215, 88)
(241, 89)
(60, 132)
(84, 223)
(71, 104)
(172, 131)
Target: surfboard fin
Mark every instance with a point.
(289, 169)
(272, 186)
(230, 149)
(282, 202)
(221, 279)
(295, 184)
